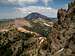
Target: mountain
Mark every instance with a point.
(36, 15)
(21, 37)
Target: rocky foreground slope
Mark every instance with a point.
(27, 41)
(63, 33)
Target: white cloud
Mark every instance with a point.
(43, 10)
(18, 1)
(22, 12)
(23, 1)
(46, 2)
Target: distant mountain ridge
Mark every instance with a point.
(36, 15)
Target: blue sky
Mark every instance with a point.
(21, 8)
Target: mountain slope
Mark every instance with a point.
(36, 16)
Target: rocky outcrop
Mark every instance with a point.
(62, 34)
(61, 15)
